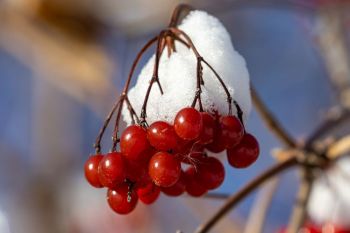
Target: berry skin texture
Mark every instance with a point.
(164, 169)
(232, 131)
(118, 199)
(162, 136)
(207, 134)
(111, 170)
(245, 153)
(211, 173)
(218, 145)
(133, 142)
(135, 171)
(91, 170)
(188, 123)
(148, 194)
(177, 189)
(193, 186)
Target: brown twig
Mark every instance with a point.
(257, 216)
(333, 47)
(332, 122)
(119, 103)
(174, 21)
(299, 212)
(271, 121)
(240, 195)
(200, 79)
(339, 148)
(97, 144)
(155, 77)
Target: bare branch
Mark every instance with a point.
(240, 195)
(271, 121)
(257, 217)
(299, 212)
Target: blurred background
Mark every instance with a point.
(63, 63)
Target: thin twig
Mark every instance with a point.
(201, 59)
(181, 8)
(271, 121)
(155, 77)
(240, 195)
(97, 144)
(332, 122)
(333, 47)
(257, 216)
(299, 212)
(338, 148)
(119, 103)
(125, 91)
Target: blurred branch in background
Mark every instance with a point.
(333, 47)
(76, 65)
(258, 213)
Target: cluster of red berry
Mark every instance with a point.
(171, 158)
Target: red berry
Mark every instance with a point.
(164, 169)
(218, 145)
(183, 146)
(111, 170)
(193, 186)
(211, 172)
(149, 193)
(207, 134)
(188, 123)
(193, 155)
(232, 130)
(135, 171)
(133, 142)
(162, 136)
(91, 170)
(122, 199)
(245, 153)
(178, 188)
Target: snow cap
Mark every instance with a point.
(177, 73)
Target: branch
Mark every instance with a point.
(271, 121)
(333, 121)
(333, 47)
(299, 212)
(339, 148)
(257, 217)
(181, 8)
(244, 192)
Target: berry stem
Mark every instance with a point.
(119, 103)
(174, 21)
(200, 76)
(97, 144)
(155, 77)
(229, 98)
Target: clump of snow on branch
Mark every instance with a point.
(177, 73)
(330, 197)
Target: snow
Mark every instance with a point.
(330, 197)
(177, 74)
